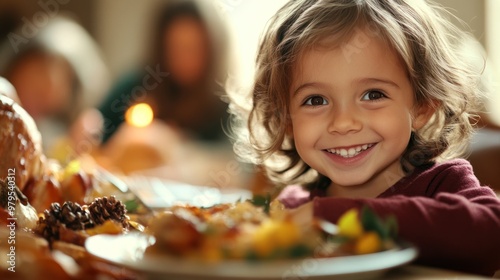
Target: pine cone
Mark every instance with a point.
(76, 217)
(103, 208)
(71, 215)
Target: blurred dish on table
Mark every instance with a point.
(162, 193)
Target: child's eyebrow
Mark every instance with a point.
(365, 81)
(307, 85)
(377, 80)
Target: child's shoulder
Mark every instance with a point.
(446, 168)
(447, 176)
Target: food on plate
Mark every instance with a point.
(77, 186)
(20, 144)
(22, 159)
(73, 223)
(228, 231)
(50, 245)
(361, 232)
(32, 258)
(35, 259)
(42, 180)
(245, 231)
(43, 192)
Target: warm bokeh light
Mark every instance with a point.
(139, 115)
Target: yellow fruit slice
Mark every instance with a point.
(350, 225)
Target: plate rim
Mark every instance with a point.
(406, 254)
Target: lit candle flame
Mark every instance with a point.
(139, 115)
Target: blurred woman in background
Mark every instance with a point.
(184, 76)
(183, 82)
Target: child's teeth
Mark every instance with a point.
(351, 152)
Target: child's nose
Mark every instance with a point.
(344, 121)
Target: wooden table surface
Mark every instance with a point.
(416, 272)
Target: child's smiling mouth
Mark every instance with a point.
(349, 152)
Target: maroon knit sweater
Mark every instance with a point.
(443, 210)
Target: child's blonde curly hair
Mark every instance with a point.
(424, 39)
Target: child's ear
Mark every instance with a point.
(423, 115)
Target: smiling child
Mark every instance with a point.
(367, 103)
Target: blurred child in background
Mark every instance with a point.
(57, 74)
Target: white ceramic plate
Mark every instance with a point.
(128, 250)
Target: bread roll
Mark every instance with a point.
(20, 144)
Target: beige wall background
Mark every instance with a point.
(492, 44)
(470, 12)
(121, 31)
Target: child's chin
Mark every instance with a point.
(349, 182)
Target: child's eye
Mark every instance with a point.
(315, 101)
(373, 95)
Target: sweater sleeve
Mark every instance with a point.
(293, 196)
(457, 230)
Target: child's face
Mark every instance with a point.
(43, 83)
(352, 112)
